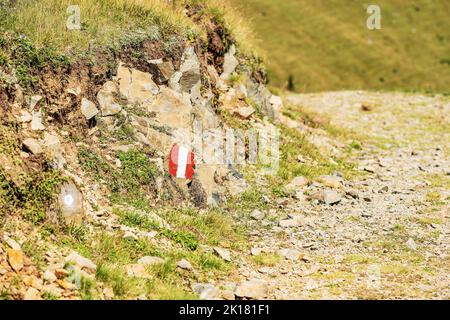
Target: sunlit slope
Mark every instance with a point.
(326, 45)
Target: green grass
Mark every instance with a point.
(294, 144)
(34, 34)
(112, 254)
(103, 23)
(434, 198)
(134, 219)
(116, 277)
(35, 252)
(325, 45)
(140, 220)
(133, 183)
(267, 259)
(33, 197)
(438, 180)
(185, 238)
(39, 194)
(189, 226)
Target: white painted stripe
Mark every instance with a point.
(182, 161)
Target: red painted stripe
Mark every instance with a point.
(173, 160)
(190, 166)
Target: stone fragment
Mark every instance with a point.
(223, 253)
(66, 285)
(252, 289)
(244, 112)
(296, 183)
(150, 260)
(74, 91)
(256, 251)
(25, 116)
(34, 100)
(49, 276)
(142, 89)
(88, 109)
(36, 121)
(257, 215)
(32, 294)
(352, 193)
(331, 197)
(190, 70)
(228, 295)
(55, 150)
(206, 291)
(327, 196)
(161, 70)
(184, 264)
(11, 243)
(130, 235)
(61, 273)
(81, 262)
(51, 141)
(291, 254)
(230, 63)
(15, 259)
(411, 244)
(106, 98)
(289, 223)
(241, 91)
(33, 146)
(331, 181)
(137, 270)
(174, 111)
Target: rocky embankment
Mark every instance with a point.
(94, 139)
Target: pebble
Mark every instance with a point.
(257, 215)
(223, 253)
(80, 261)
(61, 273)
(36, 121)
(411, 244)
(33, 146)
(332, 181)
(256, 251)
(289, 223)
(32, 294)
(206, 291)
(291, 254)
(331, 197)
(366, 215)
(11, 243)
(252, 289)
(184, 264)
(15, 259)
(49, 276)
(150, 260)
(297, 182)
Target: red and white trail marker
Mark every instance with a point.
(181, 162)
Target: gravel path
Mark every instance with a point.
(389, 235)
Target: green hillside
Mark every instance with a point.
(325, 45)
